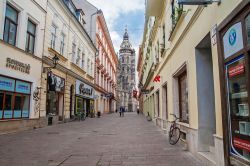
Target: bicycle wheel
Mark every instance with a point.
(174, 135)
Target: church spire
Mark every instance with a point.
(125, 36)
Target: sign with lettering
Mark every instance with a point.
(84, 90)
(233, 40)
(22, 87)
(7, 84)
(19, 66)
(236, 70)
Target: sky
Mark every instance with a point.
(121, 13)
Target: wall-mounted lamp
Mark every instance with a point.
(55, 60)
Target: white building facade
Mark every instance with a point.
(21, 45)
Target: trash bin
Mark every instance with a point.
(98, 114)
(50, 120)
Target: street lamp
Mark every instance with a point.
(55, 60)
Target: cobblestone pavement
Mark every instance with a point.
(106, 141)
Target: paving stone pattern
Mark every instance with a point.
(107, 141)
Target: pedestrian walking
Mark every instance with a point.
(120, 111)
(123, 110)
(138, 111)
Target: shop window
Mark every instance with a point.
(183, 97)
(1, 104)
(8, 105)
(18, 106)
(238, 106)
(30, 38)
(248, 28)
(14, 98)
(10, 25)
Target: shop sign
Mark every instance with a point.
(236, 70)
(19, 66)
(157, 79)
(55, 83)
(242, 144)
(84, 90)
(22, 87)
(233, 40)
(7, 84)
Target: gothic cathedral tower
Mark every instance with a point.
(126, 75)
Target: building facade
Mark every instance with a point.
(200, 55)
(106, 61)
(126, 75)
(68, 87)
(21, 41)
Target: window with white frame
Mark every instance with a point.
(53, 37)
(73, 52)
(83, 60)
(62, 44)
(88, 66)
(10, 25)
(78, 58)
(30, 38)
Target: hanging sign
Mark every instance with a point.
(55, 83)
(233, 40)
(236, 70)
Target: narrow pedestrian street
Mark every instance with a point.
(109, 140)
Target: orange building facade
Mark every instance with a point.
(105, 68)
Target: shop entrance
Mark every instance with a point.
(206, 98)
(55, 104)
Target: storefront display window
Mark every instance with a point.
(14, 98)
(248, 28)
(238, 111)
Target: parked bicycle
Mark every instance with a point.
(80, 116)
(174, 132)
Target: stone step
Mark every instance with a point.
(208, 158)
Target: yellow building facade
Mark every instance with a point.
(186, 47)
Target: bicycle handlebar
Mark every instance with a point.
(175, 116)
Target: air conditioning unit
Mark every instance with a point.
(197, 2)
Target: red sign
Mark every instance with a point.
(157, 79)
(242, 144)
(236, 70)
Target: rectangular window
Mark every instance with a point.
(62, 45)
(10, 25)
(165, 99)
(53, 37)
(1, 104)
(14, 103)
(73, 52)
(30, 38)
(78, 58)
(83, 60)
(183, 97)
(158, 103)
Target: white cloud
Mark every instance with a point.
(113, 9)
